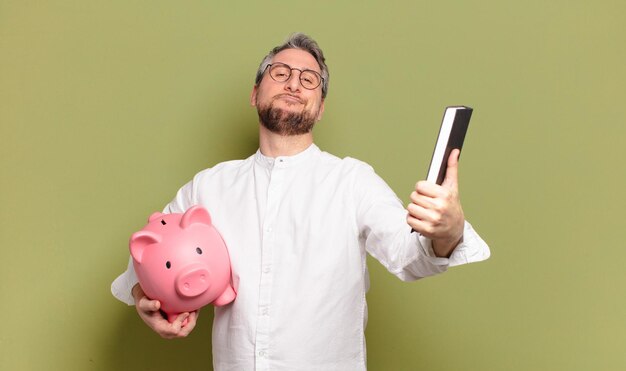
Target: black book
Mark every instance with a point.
(451, 135)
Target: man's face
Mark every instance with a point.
(287, 108)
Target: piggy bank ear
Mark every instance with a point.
(195, 214)
(139, 241)
(155, 216)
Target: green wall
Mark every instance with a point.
(106, 108)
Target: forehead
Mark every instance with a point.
(297, 58)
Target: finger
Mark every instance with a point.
(423, 228)
(429, 189)
(452, 171)
(147, 305)
(193, 317)
(421, 213)
(422, 200)
(436, 198)
(191, 324)
(177, 325)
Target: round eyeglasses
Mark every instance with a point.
(281, 72)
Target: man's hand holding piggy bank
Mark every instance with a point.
(182, 265)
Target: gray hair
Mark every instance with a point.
(302, 42)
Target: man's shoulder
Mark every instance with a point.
(345, 162)
(225, 168)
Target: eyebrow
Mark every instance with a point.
(303, 69)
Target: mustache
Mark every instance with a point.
(278, 96)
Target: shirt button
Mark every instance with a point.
(261, 354)
(265, 311)
(268, 230)
(266, 269)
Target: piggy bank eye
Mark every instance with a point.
(199, 250)
(168, 265)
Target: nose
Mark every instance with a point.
(193, 281)
(293, 84)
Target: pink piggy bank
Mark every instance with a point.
(182, 261)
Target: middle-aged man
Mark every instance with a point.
(298, 223)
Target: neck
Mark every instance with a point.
(274, 145)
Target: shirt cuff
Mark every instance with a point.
(122, 287)
(426, 245)
(471, 249)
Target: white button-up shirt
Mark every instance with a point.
(297, 230)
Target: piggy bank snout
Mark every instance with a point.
(193, 281)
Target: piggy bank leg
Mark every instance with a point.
(227, 296)
(171, 317)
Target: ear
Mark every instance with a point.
(155, 216)
(195, 214)
(321, 111)
(139, 241)
(253, 96)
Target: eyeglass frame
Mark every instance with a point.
(269, 66)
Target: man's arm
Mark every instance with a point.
(435, 210)
(127, 289)
(149, 310)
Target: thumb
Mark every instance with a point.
(148, 305)
(452, 171)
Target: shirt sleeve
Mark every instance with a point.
(124, 283)
(383, 229)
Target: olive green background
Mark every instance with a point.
(107, 108)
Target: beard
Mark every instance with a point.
(286, 123)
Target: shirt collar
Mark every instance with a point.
(286, 161)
